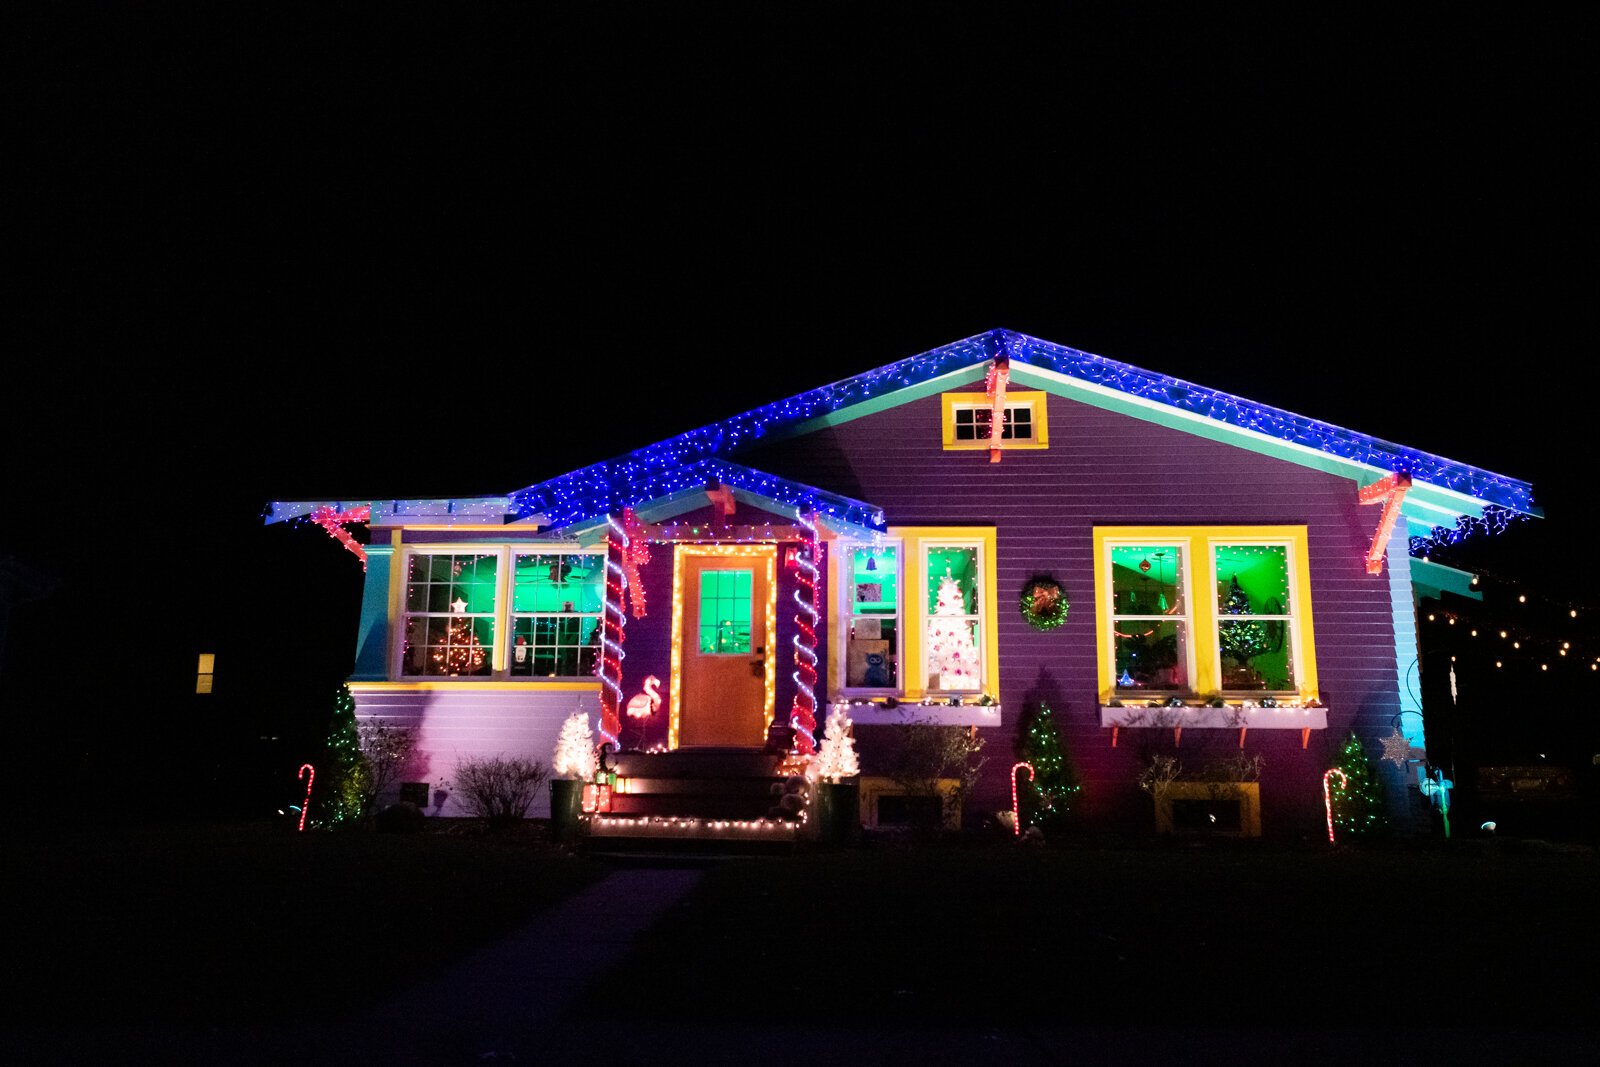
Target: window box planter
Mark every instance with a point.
(937, 714)
(1138, 717)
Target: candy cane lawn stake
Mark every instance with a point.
(1016, 813)
(1327, 797)
(311, 776)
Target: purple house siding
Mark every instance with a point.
(1104, 469)
(456, 723)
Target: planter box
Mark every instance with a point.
(565, 795)
(1135, 717)
(839, 812)
(1229, 809)
(937, 714)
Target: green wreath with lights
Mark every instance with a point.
(1043, 604)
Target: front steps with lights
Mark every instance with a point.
(727, 796)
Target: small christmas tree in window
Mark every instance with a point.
(574, 756)
(1241, 641)
(1358, 802)
(837, 757)
(951, 649)
(462, 653)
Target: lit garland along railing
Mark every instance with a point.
(802, 714)
(609, 669)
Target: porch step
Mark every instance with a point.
(659, 831)
(698, 763)
(697, 794)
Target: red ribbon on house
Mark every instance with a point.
(1391, 491)
(332, 520)
(994, 384)
(635, 553)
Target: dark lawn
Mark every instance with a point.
(231, 924)
(1238, 936)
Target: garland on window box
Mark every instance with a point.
(1043, 604)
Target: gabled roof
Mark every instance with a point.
(1447, 498)
(1449, 490)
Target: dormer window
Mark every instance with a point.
(967, 419)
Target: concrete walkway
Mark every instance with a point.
(500, 1003)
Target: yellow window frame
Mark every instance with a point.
(1199, 547)
(914, 611)
(1035, 400)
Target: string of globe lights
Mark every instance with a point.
(802, 712)
(1508, 643)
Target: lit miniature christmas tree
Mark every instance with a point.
(951, 649)
(1241, 641)
(463, 653)
(1358, 803)
(575, 749)
(1055, 781)
(345, 767)
(837, 757)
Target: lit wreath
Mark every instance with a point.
(1043, 604)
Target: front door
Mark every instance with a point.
(724, 648)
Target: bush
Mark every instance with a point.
(497, 789)
(401, 818)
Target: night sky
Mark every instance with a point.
(297, 253)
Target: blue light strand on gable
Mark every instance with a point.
(1494, 521)
(660, 468)
(636, 482)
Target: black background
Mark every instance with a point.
(295, 253)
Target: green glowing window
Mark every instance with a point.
(725, 611)
(1255, 616)
(872, 641)
(1150, 618)
(450, 613)
(952, 655)
(557, 599)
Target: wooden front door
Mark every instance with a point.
(724, 646)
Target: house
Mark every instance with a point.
(867, 543)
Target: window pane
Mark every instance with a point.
(725, 611)
(874, 580)
(1152, 655)
(1253, 580)
(954, 663)
(1147, 580)
(557, 581)
(1256, 654)
(871, 657)
(953, 581)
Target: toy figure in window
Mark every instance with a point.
(877, 675)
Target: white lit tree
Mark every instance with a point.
(575, 748)
(951, 649)
(836, 758)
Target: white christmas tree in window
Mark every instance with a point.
(836, 758)
(951, 650)
(575, 748)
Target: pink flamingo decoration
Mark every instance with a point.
(1327, 796)
(643, 705)
(1016, 812)
(311, 775)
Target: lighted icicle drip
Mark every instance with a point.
(1016, 809)
(333, 520)
(609, 669)
(310, 774)
(994, 384)
(802, 714)
(1327, 795)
